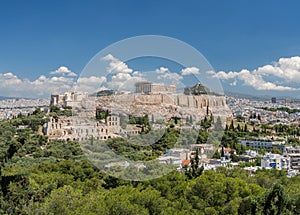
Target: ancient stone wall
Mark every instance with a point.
(193, 101)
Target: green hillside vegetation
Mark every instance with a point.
(198, 89)
(54, 177)
(284, 109)
(103, 93)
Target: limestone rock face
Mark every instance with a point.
(83, 124)
(166, 105)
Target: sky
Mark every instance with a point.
(253, 46)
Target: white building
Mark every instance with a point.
(268, 145)
(251, 153)
(294, 154)
(183, 154)
(205, 150)
(67, 99)
(275, 161)
(170, 160)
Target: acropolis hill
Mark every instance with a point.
(149, 98)
(158, 101)
(167, 105)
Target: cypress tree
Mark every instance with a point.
(231, 127)
(245, 128)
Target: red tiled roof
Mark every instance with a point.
(226, 149)
(185, 162)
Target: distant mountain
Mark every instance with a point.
(5, 97)
(8, 97)
(256, 97)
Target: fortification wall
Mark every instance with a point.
(190, 101)
(155, 99)
(168, 99)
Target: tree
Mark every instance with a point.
(206, 123)
(275, 150)
(238, 127)
(222, 152)
(58, 179)
(276, 200)
(212, 118)
(187, 120)
(240, 118)
(218, 125)
(226, 127)
(231, 127)
(249, 205)
(245, 128)
(175, 120)
(259, 117)
(195, 171)
(234, 158)
(54, 109)
(216, 155)
(262, 151)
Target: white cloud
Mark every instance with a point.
(124, 78)
(287, 70)
(90, 84)
(64, 71)
(115, 65)
(91, 80)
(210, 72)
(121, 77)
(225, 76)
(137, 74)
(9, 79)
(283, 75)
(170, 77)
(43, 86)
(190, 70)
(162, 70)
(124, 81)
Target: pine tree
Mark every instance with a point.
(276, 200)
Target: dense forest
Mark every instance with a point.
(54, 177)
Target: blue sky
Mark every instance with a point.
(38, 37)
